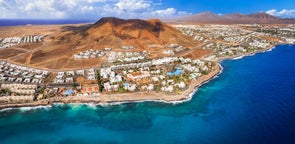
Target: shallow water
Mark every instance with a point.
(252, 101)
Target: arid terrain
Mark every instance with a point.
(114, 56)
(62, 42)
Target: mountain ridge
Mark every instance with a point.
(235, 18)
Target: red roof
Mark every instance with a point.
(83, 89)
(96, 88)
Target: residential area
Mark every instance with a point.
(168, 74)
(231, 40)
(21, 74)
(129, 70)
(13, 41)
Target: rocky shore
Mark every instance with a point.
(109, 99)
(105, 99)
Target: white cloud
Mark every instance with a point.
(86, 9)
(94, 1)
(89, 9)
(133, 5)
(165, 13)
(283, 13)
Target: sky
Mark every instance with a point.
(95, 9)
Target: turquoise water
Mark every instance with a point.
(252, 101)
(175, 72)
(68, 92)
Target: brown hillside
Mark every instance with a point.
(136, 32)
(151, 35)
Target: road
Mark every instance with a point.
(194, 48)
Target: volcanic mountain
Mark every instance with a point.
(136, 32)
(236, 18)
(115, 33)
(150, 35)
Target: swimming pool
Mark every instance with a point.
(175, 72)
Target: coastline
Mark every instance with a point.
(236, 57)
(115, 99)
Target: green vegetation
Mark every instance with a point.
(122, 90)
(186, 77)
(42, 89)
(178, 91)
(75, 85)
(177, 79)
(272, 32)
(5, 92)
(99, 82)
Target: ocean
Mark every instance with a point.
(251, 102)
(18, 22)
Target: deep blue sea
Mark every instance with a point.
(251, 102)
(18, 22)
